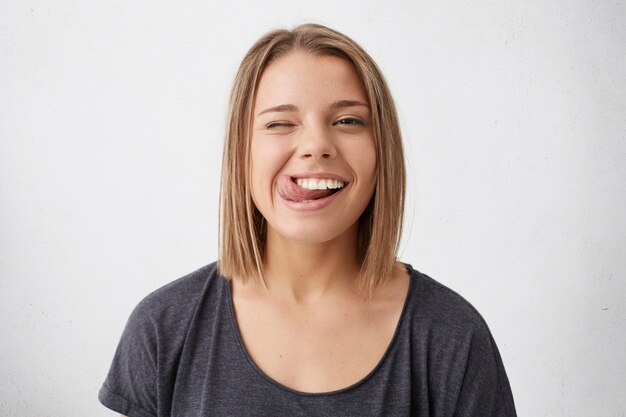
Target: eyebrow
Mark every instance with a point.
(335, 106)
(278, 109)
(347, 103)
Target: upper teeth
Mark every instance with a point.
(317, 184)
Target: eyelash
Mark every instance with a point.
(278, 124)
(352, 121)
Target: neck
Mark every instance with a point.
(301, 272)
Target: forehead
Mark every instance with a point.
(305, 79)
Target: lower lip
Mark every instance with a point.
(312, 205)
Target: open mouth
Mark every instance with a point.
(312, 189)
(304, 190)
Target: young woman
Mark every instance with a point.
(308, 312)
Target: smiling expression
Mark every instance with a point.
(311, 129)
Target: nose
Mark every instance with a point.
(316, 142)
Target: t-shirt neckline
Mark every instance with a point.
(282, 387)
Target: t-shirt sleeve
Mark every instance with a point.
(130, 387)
(484, 387)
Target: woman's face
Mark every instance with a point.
(313, 159)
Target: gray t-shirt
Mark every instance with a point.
(181, 354)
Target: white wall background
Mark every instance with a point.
(514, 117)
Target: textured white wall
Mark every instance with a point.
(111, 122)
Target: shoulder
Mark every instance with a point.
(465, 371)
(187, 287)
(174, 303)
(151, 340)
(436, 308)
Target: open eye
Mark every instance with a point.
(350, 121)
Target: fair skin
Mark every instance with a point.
(310, 330)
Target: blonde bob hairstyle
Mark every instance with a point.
(242, 228)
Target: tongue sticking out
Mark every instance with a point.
(289, 190)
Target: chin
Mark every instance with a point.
(311, 232)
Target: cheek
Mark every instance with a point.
(365, 162)
(266, 160)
